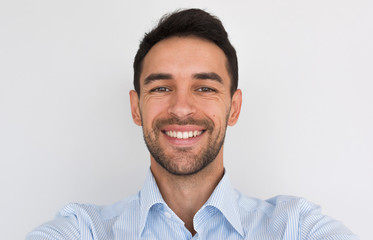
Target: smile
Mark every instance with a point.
(183, 135)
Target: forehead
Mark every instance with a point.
(183, 57)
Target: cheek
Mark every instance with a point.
(217, 113)
(151, 109)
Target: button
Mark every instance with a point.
(167, 214)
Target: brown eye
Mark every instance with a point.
(160, 89)
(205, 89)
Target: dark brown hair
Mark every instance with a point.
(189, 22)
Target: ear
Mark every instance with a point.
(135, 109)
(235, 108)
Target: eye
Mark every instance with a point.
(160, 89)
(205, 89)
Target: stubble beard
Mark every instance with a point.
(195, 162)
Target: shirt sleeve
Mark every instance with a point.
(316, 226)
(61, 228)
(74, 221)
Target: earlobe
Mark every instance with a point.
(235, 108)
(135, 110)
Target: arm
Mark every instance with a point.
(61, 228)
(316, 226)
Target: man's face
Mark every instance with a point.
(185, 104)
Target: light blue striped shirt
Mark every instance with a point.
(226, 215)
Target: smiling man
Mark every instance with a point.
(184, 104)
(185, 78)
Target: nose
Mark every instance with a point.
(182, 105)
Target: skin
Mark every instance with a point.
(185, 86)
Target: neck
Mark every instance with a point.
(185, 195)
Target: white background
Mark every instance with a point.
(66, 134)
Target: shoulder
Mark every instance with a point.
(84, 212)
(281, 206)
(83, 221)
(274, 204)
(291, 215)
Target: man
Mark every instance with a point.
(185, 78)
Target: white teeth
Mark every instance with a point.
(179, 135)
(183, 135)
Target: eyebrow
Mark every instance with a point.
(157, 76)
(166, 76)
(208, 76)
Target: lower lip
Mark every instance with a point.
(183, 142)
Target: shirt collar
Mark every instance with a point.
(223, 198)
(149, 196)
